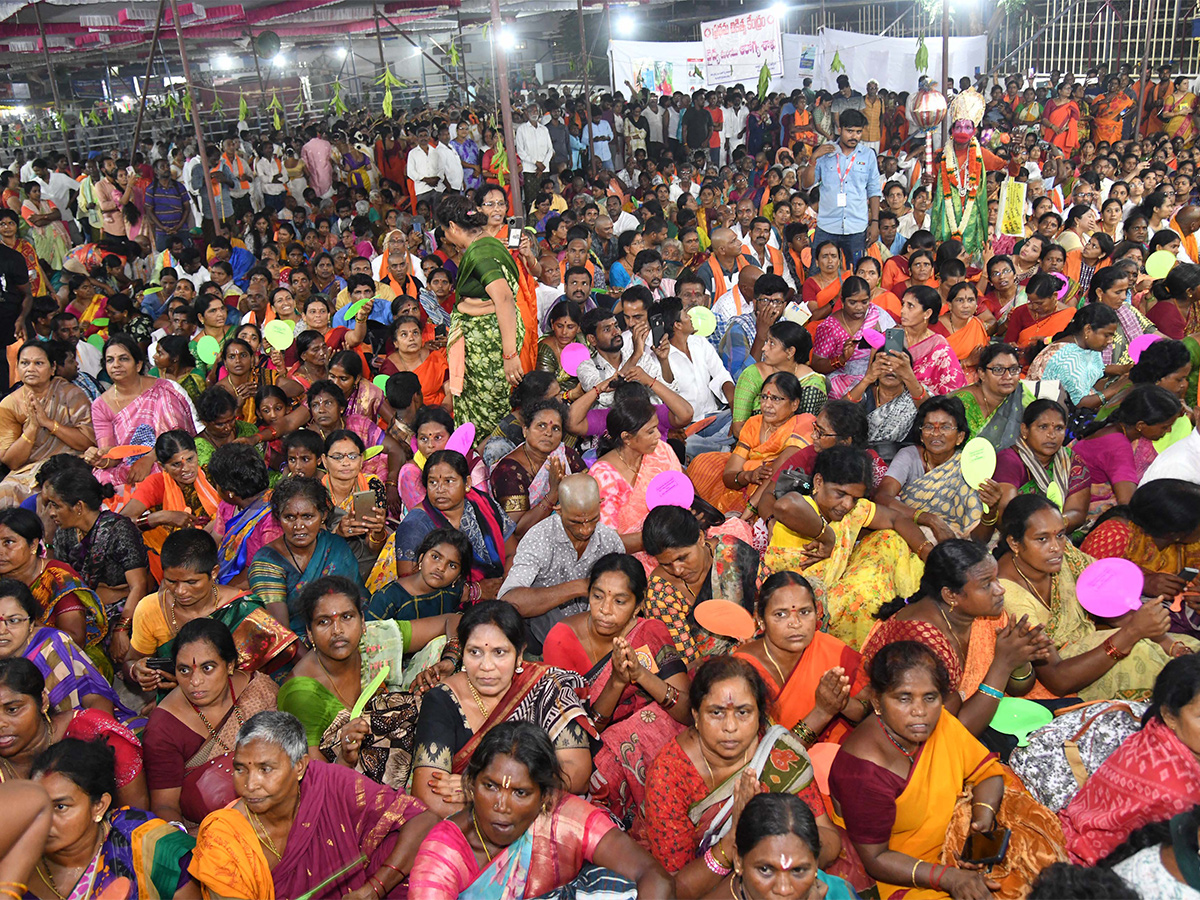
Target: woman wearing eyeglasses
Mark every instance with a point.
(994, 403)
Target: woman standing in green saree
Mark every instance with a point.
(486, 332)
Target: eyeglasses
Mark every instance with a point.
(1004, 370)
(347, 457)
(938, 429)
(494, 204)
(820, 433)
(775, 398)
(13, 621)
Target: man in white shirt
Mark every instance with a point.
(424, 166)
(699, 377)
(917, 218)
(684, 185)
(612, 353)
(734, 128)
(452, 170)
(57, 187)
(654, 119)
(272, 179)
(1181, 460)
(622, 221)
(534, 147)
(65, 327)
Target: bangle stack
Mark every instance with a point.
(713, 866)
(1111, 650)
(672, 697)
(807, 736)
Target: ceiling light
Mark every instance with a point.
(625, 25)
(223, 62)
(341, 53)
(507, 39)
(279, 59)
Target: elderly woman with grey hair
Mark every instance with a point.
(302, 826)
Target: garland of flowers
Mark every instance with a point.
(952, 181)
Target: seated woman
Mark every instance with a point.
(889, 393)
(995, 402)
(632, 452)
(450, 503)
(190, 590)
(66, 603)
(839, 350)
(629, 245)
(131, 853)
(961, 328)
(33, 728)
(765, 441)
(347, 654)
(1118, 451)
(1038, 572)
(921, 272)
(525, 482)
(45, 416)
(358, 509)
(898, 776)
(697, 785)
(1073, 359)
(362, 397)
(105, 548)
(926, 480)
(243, 522)
(322, 819)
(496, 686)
(431, 429)
(217, 410)
(71, 680)
(327, 404)
(177, 496)
(304, 552)
(564, 319)
(312, 358)
(822, 289)
(1110, 287)
(173, 360)
(1173, 302)
(412, 355)
(1169, 365)
(1042, 316)
(541, 846)
(815, 681)
(786, 349)
(1159, 529)
(1152, 776)
(637, 683)
(958, 613)
(818, 535)
(437, 585)
(1039, 463)
(157, 405)
(934, 364)
(693, 568)
(1143, 859)
(190, 731)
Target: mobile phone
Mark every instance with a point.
(987, 848)
(515, 227)
(1188, 574)
(658, 328)
(160, 664)
(364, 503)
(893, 340)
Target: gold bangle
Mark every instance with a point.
(913, 876)
(987, 805)
(1025, 677)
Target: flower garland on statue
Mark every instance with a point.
(952, 180)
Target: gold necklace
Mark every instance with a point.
(1032, 589)
(333, 684)
(478, 699)
(260, 832)
(771, 659)
(43, 870)
(478, 833)
(950, 629)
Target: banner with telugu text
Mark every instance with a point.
(736, 48)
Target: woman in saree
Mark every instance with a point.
(304, 551)
(327, 406)
(817, 534)
(189, 590)
(348, 653)
(525, 482)
(431, 428)
(496, 686)
(958, 613)
(1174, 308)
(127, 852)
(629, 245)
(634, 454)
(173, 359)
(1040, 463)
(1042, 317)
(1038, 572)
(995, 402)
(133, 412)
(1118, 452)
(1109, 111)
(67, 604)
(1110, 287)
(1027, 115)
(177, 496)
(823, 288)
(1177, 109)
(692, 568)
(1159, 530)
(356, 166)
(786, 349)
(192, 730)
(839, 350)
(412, 355)
(815, 681)
(308, 827)
(1152, 776)
(563, 319)
(698, 786)
(1169, 364)
(1073, 360)
(523, 835)
(1060, 120)
(961, 327)
(363, 398)
(486, 328)
(763, 443)
(637, 683)
(46, 229)
(10, 222)
(436, 587)
(934, 364)
(898, 778)
(45, 416)
(217, 409)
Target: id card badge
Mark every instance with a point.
(841, 199)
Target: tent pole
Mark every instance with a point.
(506, 119)
(587, 93)
(137, 129)
(945, 67)
(187, 80)
(58, 107)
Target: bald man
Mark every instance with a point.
(719, 271)
(548, 580)
(1185, 224)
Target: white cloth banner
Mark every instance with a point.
(736, 48)
(893, 61)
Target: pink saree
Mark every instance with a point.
(158, 409)
(936, 365)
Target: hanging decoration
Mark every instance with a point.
(837, 65)
(453, 55)
(94, 117)
(109, 111)
(82, 119)
(922, 55)
(276, 108)
(243, 107)
(172, 105)
(299, 108)
(37, 130)
(337, 105)
(389, 81)
(217, 106)
(764, 81)
(187, 104)
(500, 161)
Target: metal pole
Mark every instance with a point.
(358, 91)
(1142, 72)
(945, 65)
(587, 93)
(137, 128)
(262, 85)
(424, 80)
(62, 127)
(378, 36)
(506, 119)
(462, 54)
(187, 80)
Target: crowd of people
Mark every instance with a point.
(617, 542)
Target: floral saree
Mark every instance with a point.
(944, 492)
(707, 469)
(141, 858)
(159, 408)
(833, 342)
(59, 589)
(1177, 112)
(275, 579)
(70, 675)
(935, 365)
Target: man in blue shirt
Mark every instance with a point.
(848, 177)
